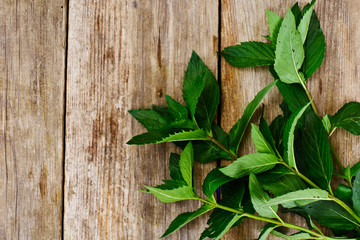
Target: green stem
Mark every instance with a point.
(332, 131)
(222, 147)
(264, 219)
(309, 97)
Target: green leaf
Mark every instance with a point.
(297, 13)
(299, 235)
(186, 163)
(179, 113)
(356, 193)
(299, 198)
(249, 54)
(266, 132)
(285, 184)
(288, 138)
(212, 181)
(354, 169)
(185, 218)
(208, 101)
(314, 47)
(274, 174)
(161, 136)
(330, 214)
(220, 135)
(171, 193)
(274, 22)
(305, 21)
(175, 167)
(194, 82)
(232, 194)
(261, 145)
(277, 127)
(220, 222)
(326, 122)
(252, 163)
(259, 199)
(206, 151)
(293, 94)
(315, 151)
(348, 118)
(266, 231)
(289, 54)
(150, 119)
(237, 131)
(344, 193)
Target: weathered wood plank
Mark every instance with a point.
(32, 67)
(334, 84)
(126, 55)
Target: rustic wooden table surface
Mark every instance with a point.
(70, 70)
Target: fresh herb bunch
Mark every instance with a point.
(293, 165)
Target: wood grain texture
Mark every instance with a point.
(32, 67)
(126, 55)
(334, 84)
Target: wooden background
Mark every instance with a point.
(70, 71)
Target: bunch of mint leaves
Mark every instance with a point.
(293, 165)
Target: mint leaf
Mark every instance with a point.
(277, 127)
(185, 218)
(206, 151)
(232, 194)
(266, 132)
(285, 184)
(305, 21)
(293, 94)
(295, 9)
(289, 54)
(220, 135)
(179, 113)
(274, 22)
(274, 174)
(315, 151)
(208, 101)
(354, 169)
(330, 214)
(356, 193)
(237, 131)
(194, 82)
(266, 231)
(344, 193)
(220, 222)
(186, 163)
(259, 199)
(161, 136)
(261, 145)
(289, 155)
(299, 198)
(348, 118)
(175, 167)
(212, 181)
(299, 235)
(150, 119)
(251, 163)
(249, 54)
(314, 46)
(174, 194)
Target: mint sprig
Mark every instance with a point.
(293, 165)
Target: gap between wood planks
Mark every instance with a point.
(67, 3)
